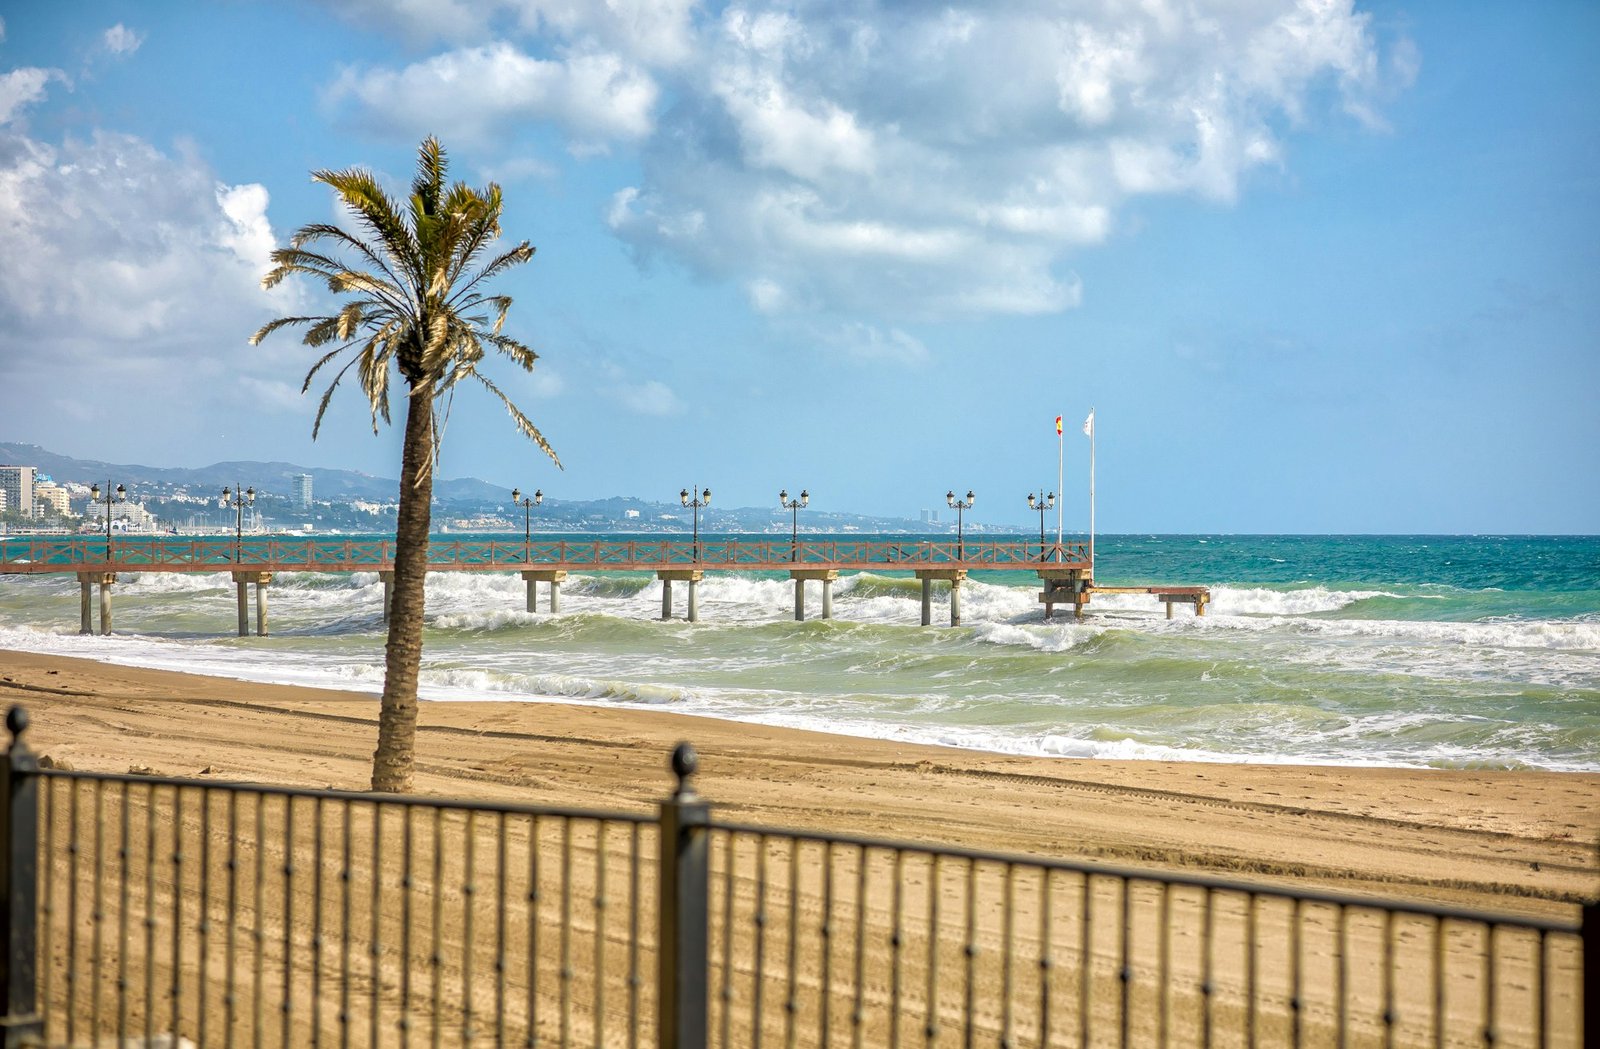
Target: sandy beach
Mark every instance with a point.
(1516, 841)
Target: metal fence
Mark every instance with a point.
(143, 910)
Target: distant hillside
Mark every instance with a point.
(264, 477)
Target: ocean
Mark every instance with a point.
(1436, 651)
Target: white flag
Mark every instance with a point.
(1088, 424)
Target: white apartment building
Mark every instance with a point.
(51, 499)
(300, 491)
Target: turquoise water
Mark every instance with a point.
(1395, 650)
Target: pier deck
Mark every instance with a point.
(1065, 568)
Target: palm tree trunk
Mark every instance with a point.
(397, 715)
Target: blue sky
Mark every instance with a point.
(1318, 268)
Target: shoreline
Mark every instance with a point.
(1520, 842)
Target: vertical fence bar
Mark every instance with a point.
(316, 923)
(633, 941)
(375, 951)
(1046, 962)
(469, 892)
(436, 921)
(123, 852)
(564, 975)
(531, 1037)
(345, 877)
(229, 984)
(1589, 932)
(732, 850)
(176, 985)
(759, 967)
(149, 913)
(47, 816)
(600, 905)
(286, 1008)
(500, 932)
(20, 1020)
(73, 877)
(203, 929)
(681, 990)
(97, 946)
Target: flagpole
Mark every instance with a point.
(1091, 493)
(1060, 486)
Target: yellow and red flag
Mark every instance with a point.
(1058, 426)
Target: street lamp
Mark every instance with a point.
(959, 507)
(794, 505)
(238, 499)
(527, 503)
(1041, 504)
(94, 497)
(703, 499)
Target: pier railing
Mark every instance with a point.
(234, 914)
(43, 554)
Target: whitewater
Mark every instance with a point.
(1479, 652)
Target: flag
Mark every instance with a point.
(1088, 424)
(1058, 426)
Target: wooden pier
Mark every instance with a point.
(1065, 570)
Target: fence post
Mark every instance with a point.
(20, 1023)
(1589, 929)
(681, 972)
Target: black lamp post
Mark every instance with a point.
(1041, 503)
(238, 499)
(794, 505)
(527, 502)
(959, 507)
(703, 499)
(94, 496)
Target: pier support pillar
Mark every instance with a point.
(800, 575)
(105, 604)
(1169, 608)
(388, 593)
(242, 581)
(1064, 586)
(692, 576)
(956, 577)
(554, 577)
(86, 583)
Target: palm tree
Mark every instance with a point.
(417, 304)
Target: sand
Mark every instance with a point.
(1525, 841)
(1511, 842)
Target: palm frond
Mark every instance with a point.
(522, 422)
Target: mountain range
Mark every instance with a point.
(266, 477)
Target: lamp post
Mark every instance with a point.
(527, 502)
(1041, 503)
(121, 496)
(238, 499)
(703, 499)
(794, 505)
(960, 508)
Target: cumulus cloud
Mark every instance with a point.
(120, 40)
(594, 95)
(908, 160)
(20, 88)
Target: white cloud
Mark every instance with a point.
(120, 40)
(22, 87)
(594, 95)
(908, 160)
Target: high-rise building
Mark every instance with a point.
(17, 483)
(300, 491)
